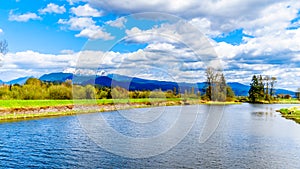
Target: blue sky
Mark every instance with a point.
(173, 40)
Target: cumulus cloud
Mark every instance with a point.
(181, 34)
(67, 51)
(218, 12)
(23, 17)
(87, 27)
(119, 23)
(76, 23)
(95, 32)
(1, 31)
(32, 63)
(73, 2)
(53, 8)
(86, 10)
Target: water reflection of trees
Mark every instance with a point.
(264, 114)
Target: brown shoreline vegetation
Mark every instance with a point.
(16, 114)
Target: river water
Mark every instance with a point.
(239, 136)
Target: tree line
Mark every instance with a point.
(35, 89)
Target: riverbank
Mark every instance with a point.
(16, 110)
(280, 101)
(292, 113)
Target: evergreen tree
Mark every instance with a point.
(255, 89)
(261, 88)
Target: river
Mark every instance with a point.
(242, 136)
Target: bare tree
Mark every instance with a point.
(267, 79)
(3, 47)
(272, 83)
(216, 85)
(298, 93)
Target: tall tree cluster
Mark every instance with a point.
(216, 86)
(262, 88)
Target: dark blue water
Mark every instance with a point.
(248, 136)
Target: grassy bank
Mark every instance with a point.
(15, 110)
(5, 104)
(289, 101)
(44, 103)
(292, 113)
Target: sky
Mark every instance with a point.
(163, 40)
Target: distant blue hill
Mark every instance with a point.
(56, 77)
(134, 83)
(19, 81)
(239, 89)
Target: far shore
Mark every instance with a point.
(17, 110)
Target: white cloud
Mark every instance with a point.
(87, 28)
(53, 8)
(94, 32)
(188, 8)
(78, 23)
(119, 23)
(86, 10)
(181, 33)
(23, 17)
(73, 2)
(30, 63)
(1, 31)
(67, 51)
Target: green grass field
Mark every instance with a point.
(7, 104)
(289, 101)
(43, 103)
(33, 103)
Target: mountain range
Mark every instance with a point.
(134, 83)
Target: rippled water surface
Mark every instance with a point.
(248, 136)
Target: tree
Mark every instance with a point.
(255, 90)
(90, 92)
(3, 47)
(216, 85)
(209, 80)
(272, 83)
(266, 79)
(229, 93)
(298, 93)
(60, 92)
(119, 93)
(33, 81)
(261, 88)
(212, 84)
